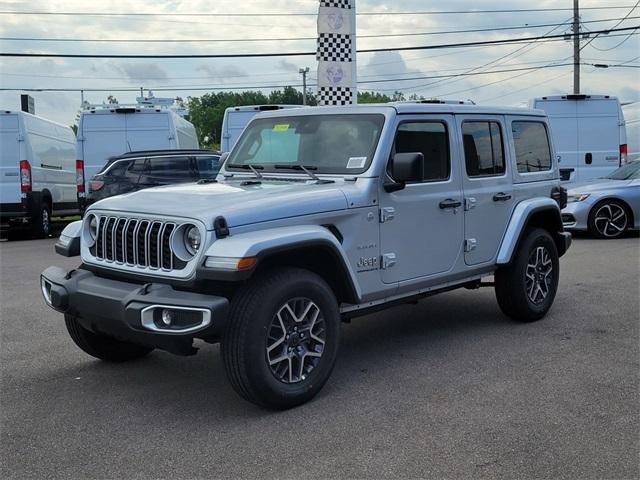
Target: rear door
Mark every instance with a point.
(102, 136)
(167, 170)
(148, 131)
(598, 137)
(564, 129)
(488, 189)
(9, 159)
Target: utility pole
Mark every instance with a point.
(304, 72)
(576, 47)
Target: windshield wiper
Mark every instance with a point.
(305, 168)
(253, 168)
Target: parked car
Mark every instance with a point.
(588, 132)
(37, 172)
(606, 207)
(318, 215)
(236, 118)
(105, 131)
(137, 170)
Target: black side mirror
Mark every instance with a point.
(405, 167)
(223, 158)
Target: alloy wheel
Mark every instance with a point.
(539, 275)
(295, 340)
(610, 220)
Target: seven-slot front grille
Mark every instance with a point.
(136, 242)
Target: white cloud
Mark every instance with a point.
(110, 73)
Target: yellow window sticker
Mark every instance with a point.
(281, 127)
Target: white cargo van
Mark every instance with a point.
(632, 122)
(588, 132)
(105, 131)
(37, 172)
(236, 118)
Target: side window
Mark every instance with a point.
(533, 152)
(169, 169)
(432, 140)
(118, 169)
(208, 166)
(483, 148)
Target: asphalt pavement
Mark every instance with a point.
(448, 388)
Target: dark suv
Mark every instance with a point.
(137, 170)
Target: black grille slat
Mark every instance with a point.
(130, 244)
(119, 240)
(137, 242)
(167, 255)
(141, 242)
(108, 238)
(154, 232)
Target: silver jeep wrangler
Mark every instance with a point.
(317, 216)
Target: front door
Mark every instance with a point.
(488, 190)
(422, 225)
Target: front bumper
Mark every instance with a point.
(131, 312)
(575, 216)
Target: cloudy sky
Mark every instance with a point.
(198, 76)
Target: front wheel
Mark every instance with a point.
(609, 219)
(101, 346)
(282, 339)
(525, 290)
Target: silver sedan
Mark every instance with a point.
(606, 207)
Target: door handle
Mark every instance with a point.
(501, 197)
(450, 203)
(588, 158)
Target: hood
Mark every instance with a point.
(597, 185)
(239, 204)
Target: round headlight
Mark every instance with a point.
(91, 230)
(93, 227)
(192, 240)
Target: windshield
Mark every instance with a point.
(324, 143)
(628, 172)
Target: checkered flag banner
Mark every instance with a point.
(336, 52)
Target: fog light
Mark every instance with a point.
(167, 317)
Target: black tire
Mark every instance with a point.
(514, 284)
(604, 221)
(41, 223)
(250, 333)
(101, 346)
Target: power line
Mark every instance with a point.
(306, 54)
(293, 14)
(208, 87)
(284, 39)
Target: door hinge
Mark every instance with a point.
(387, 214)
(469, 203)
(388, 260)
(470, 244)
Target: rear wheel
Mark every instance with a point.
(609, 219)
(41, 226)
(282, 340)
(101, 346)
(525, 290)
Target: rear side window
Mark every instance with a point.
(169, 168)
(533, 152)
(432, 140)
(483, 150)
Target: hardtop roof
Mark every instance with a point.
(406, 108)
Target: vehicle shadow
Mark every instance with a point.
(197, 386)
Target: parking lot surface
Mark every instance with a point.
(448, 388)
